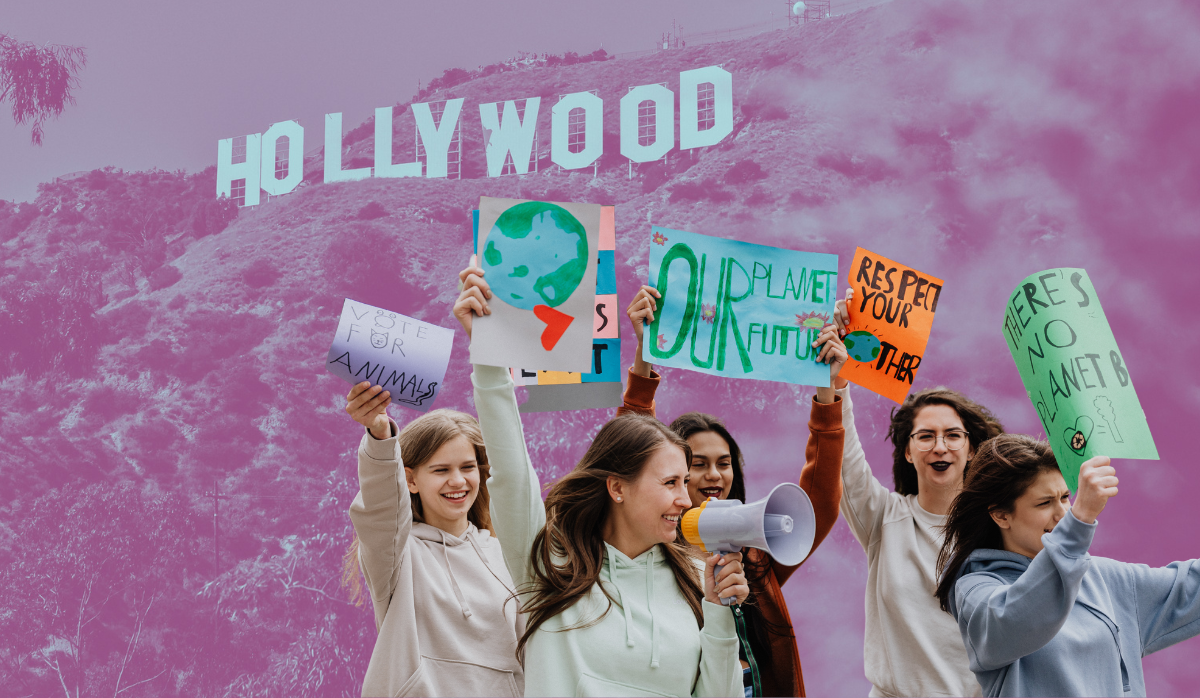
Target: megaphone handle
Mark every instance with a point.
(728, 601)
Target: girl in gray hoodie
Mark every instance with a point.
(1040, 616)
(444, 606)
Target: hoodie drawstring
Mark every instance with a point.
(612, 565)
(462, 601)
(650, 603)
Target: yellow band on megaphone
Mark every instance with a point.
(690, 525)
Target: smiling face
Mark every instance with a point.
(652, 504)
(712, 467)
(939, 467)
(448, 484)
(1036, 512)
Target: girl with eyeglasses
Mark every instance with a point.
(911, 648)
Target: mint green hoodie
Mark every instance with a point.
(648, 643)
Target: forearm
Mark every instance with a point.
(639, 393)
(1005, 622)
(640, 366)
(381, 513)
(516, 503)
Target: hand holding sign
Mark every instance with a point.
(472, 296)
(367, 405)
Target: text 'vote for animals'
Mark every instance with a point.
(1073, 371)
(736, 309)
(539, 258)
(405, 356)
(891, 314)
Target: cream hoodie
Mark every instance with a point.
(912, 647)
(447, 622)
(648, 644)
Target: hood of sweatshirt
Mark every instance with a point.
(1001, 563)
(618, 571)
(472, 541)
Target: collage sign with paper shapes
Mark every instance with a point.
(736, 309)
(1073, 371)
(891, 314)
(404, 355)
(539, 259)
(599, 387)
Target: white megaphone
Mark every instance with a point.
(782, 524)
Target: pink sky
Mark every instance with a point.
(165, 81)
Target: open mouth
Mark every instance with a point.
(712, 492)
(456, 496)
(673, 518)
(941, 466)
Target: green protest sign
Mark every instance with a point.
(1073, 371)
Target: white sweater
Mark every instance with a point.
(912, 647)
(444, 608)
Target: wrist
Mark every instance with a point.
(825, 396)
(1084, 516)
(839, 383)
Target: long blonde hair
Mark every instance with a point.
(418, 441)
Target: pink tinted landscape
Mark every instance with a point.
(175, 465)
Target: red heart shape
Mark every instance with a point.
(556, 324)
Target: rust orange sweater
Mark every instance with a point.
(821, 480)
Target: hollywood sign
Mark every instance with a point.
(508, 134)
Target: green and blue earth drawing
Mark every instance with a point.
(861, 345)
(536, 254)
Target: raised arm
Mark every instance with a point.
(864, 498)
(643, 381)
(381, 512)
(1001, 622)
(518, 513)
(821, 476)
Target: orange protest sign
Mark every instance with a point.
(891, 313)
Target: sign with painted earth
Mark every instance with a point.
(536, 254)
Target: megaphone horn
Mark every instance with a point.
(782, 524)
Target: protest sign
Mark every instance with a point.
(891, 313)
(405, 356)
(540, 261)
(1073, 371)
(600, 387)
(736, 309)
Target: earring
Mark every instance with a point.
(618, 499)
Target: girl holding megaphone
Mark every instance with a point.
(1040, 616)
(716, 471)
(442, 596)
(615, 603)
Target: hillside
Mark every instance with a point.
(162, 348)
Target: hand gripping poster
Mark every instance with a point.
(736, 309)
(891, 314)
(1073, 371)
(539, 258)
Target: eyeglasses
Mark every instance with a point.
(926, 440)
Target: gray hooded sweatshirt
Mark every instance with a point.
(1066, 623)
(447, 622)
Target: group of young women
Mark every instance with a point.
(979, 577)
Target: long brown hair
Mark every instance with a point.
(568, 553)
(418, 441)
(1003, 468)
(978, 420)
